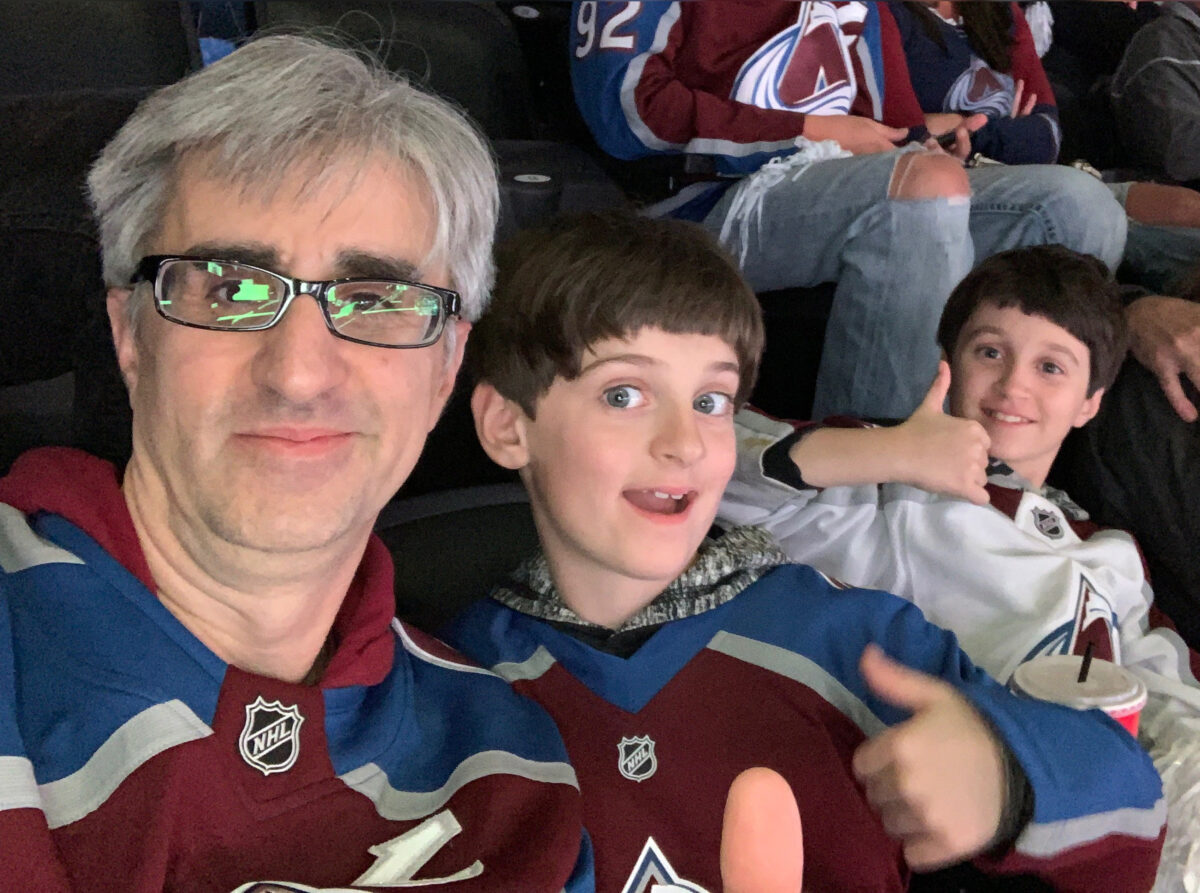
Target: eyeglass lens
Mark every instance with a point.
(234, 296)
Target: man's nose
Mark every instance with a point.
(677, 437)
(298, 357)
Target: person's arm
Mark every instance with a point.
(930, 450)
(1097, 814)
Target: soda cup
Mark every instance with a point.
(1108, 687)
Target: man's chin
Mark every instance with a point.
(292, 519)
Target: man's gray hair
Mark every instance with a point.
(285, 101)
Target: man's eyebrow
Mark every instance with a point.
(350, 264)
(253, 253)
(361, 265)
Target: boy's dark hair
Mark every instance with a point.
(1070, 289)
(576, 281)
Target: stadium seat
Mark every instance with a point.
(480, 533)
(54, 45)
(465, 51)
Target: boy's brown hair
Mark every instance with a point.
(579, 280)
(1072, 290)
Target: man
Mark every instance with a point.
(200, 683)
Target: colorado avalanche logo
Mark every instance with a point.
(1093, 623)
(981, 89)
(270, 740)
(654, 874)
(1047, 523)
(806, 67)
(636, 759)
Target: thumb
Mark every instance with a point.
(974, 122)
(897, 684)
(935, 399)
(762, 846)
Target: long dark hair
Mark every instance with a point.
(988, 25)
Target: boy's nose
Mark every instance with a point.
(1012, 379)
(678, 437)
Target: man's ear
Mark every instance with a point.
(1090, 407)
(122, 333)
(501, 426)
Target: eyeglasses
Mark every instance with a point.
(228, 296)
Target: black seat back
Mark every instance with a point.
(465, 51)
(54, 45)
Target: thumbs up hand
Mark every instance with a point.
(938, 779)
(943, 453)
(762, 847)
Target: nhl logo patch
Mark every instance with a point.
(270, 740)
(1047, 523)
(635, 758)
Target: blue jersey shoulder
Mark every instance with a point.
(92, 643)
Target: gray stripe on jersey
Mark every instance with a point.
(1046, 839)
(397, 806)
(138, 740)
(18, 787)
(21, 548)
(633, 74)
(531, 668)
(801, 669)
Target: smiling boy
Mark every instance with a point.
(610, 363)
(1013, 567)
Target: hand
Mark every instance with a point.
(1164, 336)
(856, 134)
(943, 453)
(1018, 110)
(762, 846)
(937, 780)
(942, 123)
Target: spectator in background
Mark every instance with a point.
(971, 58)
(809, 100)
(1156, 93)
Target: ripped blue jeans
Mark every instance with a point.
(895, 261)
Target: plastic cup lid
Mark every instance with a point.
(1054, 678)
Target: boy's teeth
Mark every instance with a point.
(1005, 417)
(662, 495)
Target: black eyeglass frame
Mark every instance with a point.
(150, 267)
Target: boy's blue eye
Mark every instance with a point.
(713, 403)
(988, 352)
(623, 397)
(1051, 368)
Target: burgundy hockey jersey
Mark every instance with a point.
(132, 758)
